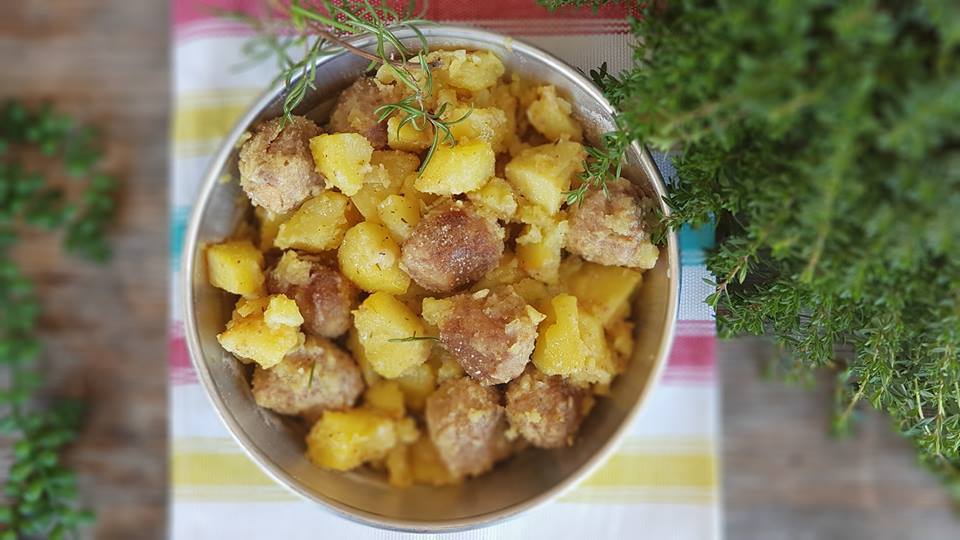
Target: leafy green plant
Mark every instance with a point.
(39, 491)
(823, 138)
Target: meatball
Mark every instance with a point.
(490, 333)
(545, 410)
(609, 228)
(324, 296)
(451, 247)
(287, 387)
(466, 424)
(355, 111)
(276, 168)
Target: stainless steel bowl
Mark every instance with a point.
(276, 444)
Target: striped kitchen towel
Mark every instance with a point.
(662, 482)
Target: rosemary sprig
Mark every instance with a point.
(320, 30)
(414, 337)
(40, 492)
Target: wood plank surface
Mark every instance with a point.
(107, 62)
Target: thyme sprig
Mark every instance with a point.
(321, 29)
(40, 492)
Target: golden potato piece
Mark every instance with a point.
(276, 169)
(344, 159)
(540, 244)
(355, 110)
(317, 377)
(451, 247)
(427, 467)
(544, 173)
(490, 333)
(371, 259)
(603, 291)
(343, 440)
(457, 169)
(466, 424)
(324, 296)
(399, 214)
(385, 397)
(551, 116)
(610, 229)
(408, 137)
(495, 198)
(473, 70)
(384, 325)
(263, 330)
(318, 225)
(237, 267)
(571, 343)
(545, 410)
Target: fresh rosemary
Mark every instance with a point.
(822, 138)
(413, 338)
(40, 492)
(299, 35)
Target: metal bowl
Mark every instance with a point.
(276, 444)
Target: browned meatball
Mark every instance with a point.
(287, 387)
(490, 333)
(466, 424)
(324, 295)
(355, 110)
(276, 168)
(451, 247)
(545, 410)
(610, 229)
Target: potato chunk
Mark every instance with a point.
(355, 111)
(451, 247)
(382, 318)
(324, 296)
(390, 169)
(263, 330)
(399, 214)
(471, 71)
(426, 465)
(490, 333)
(371, 259)
(543, 173)
(540, 244)
(317, 377)
(610, 228)
(466, 424)
(495, 199)
(457, 169)
(318, 225)
(416, 384)
(550, 115)
(344, 440)
(276, 168)
(603, 290)
(408, 137)
(481, 124)
(236, 267)
(571, 343)
(343, 158)
(545, 410)
(385, 397)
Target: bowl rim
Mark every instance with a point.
(264, 461)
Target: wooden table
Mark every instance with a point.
(107, 62)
